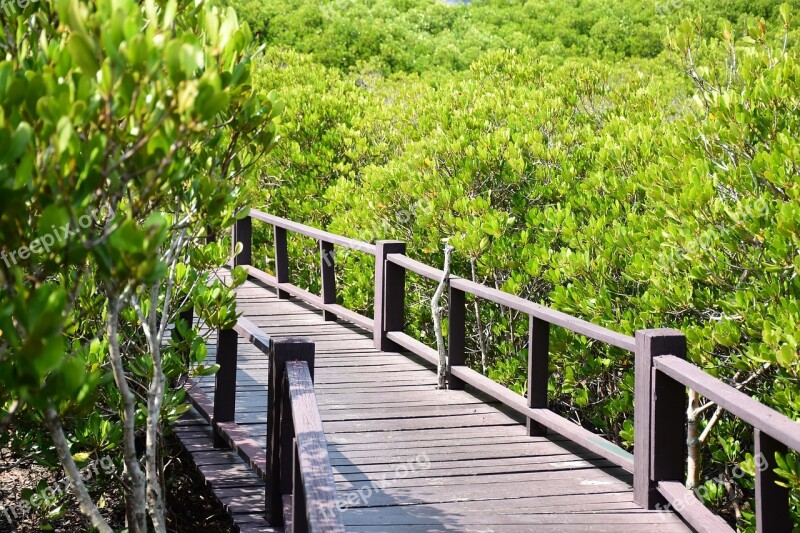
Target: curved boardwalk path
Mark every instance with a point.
(406, 456)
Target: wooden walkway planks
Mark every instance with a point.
(227, 474)
(406, 456)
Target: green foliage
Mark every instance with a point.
(126, 130)
(425, 36)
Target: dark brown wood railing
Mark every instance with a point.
(662, 373)
(773, 433)
(300, 490)
(326, 302)
(301, 493)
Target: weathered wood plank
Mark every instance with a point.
(653, 421)
(225, 473)
(692, 510)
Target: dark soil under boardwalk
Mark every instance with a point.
(192, 506)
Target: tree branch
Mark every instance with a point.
(437, 317)
(88, 508)
(137, 501)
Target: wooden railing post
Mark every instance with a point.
(243, 233)
(772, 500)
(659, 416)
(285, 439)
(279, 422)
(299, 514)
(327, 265)
(225, 382)
(186, 315)
(390, 287)
(281, 260)
(538, 371)
(456, 336)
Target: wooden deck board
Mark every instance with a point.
(224, 471)
(406, 456)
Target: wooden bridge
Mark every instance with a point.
(324, 420)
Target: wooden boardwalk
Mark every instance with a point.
(406, 456)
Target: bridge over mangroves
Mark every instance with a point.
(321, 419)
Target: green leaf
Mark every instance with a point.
(19, 143)
(53, 219)
(786, 356)
(81, 49)
(65, 134)
(49, 357)
(81, 457)
(786, 11)
(72, 376)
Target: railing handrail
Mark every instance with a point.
(552, 316)
(298, 466)
(294, 424)
(739, 404)
(557, 318)
(314, 233)
(315, 483)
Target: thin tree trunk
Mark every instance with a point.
(154, 330)
(137, 522)
(88, 508)
(693, 442)
(437, 312)
(155, 399)
(503, 309)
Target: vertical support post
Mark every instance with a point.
(243, 233)
(659, 416)
(281, 350)
(281, 260)
(225, 379)
(299, 512)
(772, 500)
(327, 264)
(187, 315)
(456, 336)
(286, 440)
(538, 371)
(390, 287)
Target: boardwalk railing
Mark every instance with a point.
(327, 300)
(301, 493)
(662, 373)
(300, 490)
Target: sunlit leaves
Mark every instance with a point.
(125, 131)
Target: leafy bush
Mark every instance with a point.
(125, 130)
(425, 36)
